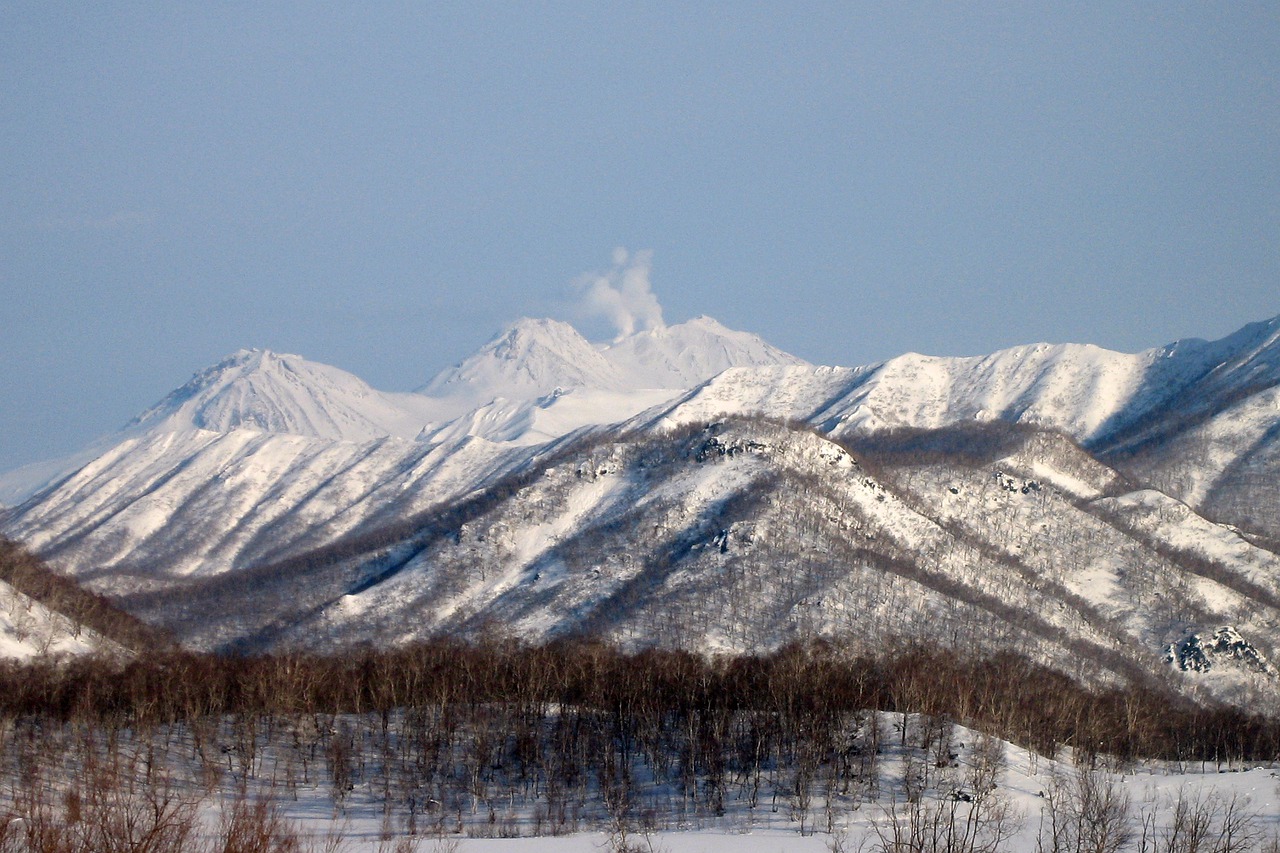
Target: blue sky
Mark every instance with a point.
(383, 186)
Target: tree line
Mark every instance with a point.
(804, 690)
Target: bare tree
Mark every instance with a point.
(1085, 811)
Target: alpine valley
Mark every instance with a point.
(1114, 516)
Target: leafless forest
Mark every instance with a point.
(497, 738)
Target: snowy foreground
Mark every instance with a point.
(904, 784)
(1167, 809)
(1151, 791)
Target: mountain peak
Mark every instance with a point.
(259, 389)
(690, 353)
(708, 322)
(531, 358)
(527, 359)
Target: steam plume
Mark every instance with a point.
(623, 295)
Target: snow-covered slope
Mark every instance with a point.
(197, 503)
(30, 630)
(1199, 419)
(687, 354)
(529, 359)
(1215, 443)
(1073, 388)
(747, 534)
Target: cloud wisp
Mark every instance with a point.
(622, 295)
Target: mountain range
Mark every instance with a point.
(1115, 515)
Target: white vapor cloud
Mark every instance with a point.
(623, 295)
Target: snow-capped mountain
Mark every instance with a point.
(529, 359)
(1098, 508)
(687, 354)
(1197, 418)
(533, 358)
(1089, 393)
(264, 454)
(271, 392)
(535, 381)
(540, 379)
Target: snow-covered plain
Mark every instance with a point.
(994, 796)
(1022, 784)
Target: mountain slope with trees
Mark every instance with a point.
(1107, 514)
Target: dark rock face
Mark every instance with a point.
(1197, 653)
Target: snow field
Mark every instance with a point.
(951, 770)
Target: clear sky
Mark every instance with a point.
(382, 186)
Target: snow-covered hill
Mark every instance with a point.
(29, 630)
(748, 534)
(48, 617)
